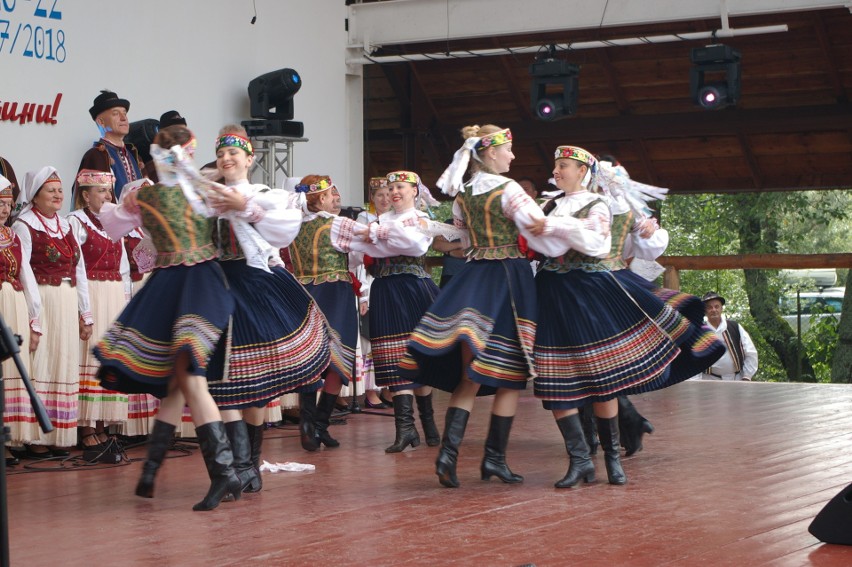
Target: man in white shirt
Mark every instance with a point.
(740, 359)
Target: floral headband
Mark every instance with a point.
(575, 153)
(318, 187)
(95, 178)
(496, 139)
(405, 176)
(378, 183)
(236, 141)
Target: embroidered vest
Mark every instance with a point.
(119, 166)
(130, 244)
(492, 235)
(226, 241)
(620, 230)
(414, 265)
(53, 258)
(574, 260)
(10, 258)
(102, 255)
(314, 258)
(179, 234)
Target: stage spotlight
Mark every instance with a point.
(271, 104)
(722, 63)
(555, 87)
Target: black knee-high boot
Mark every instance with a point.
(494, 462)
(238, 436)
(580, 465)
(587, 418)
(403, 416)
(322, 418)
(307, 424)
(632, 426)
(159, 441)
(219, 461)
(255, 433)
(427, 420)
(445, 465)
(608, 433)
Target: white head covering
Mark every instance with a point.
(4, 183)
(136, 184)
(452, 180)
(33, 180)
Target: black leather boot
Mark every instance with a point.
(255, 433)
(159, 441)
(307, 424)
(219, 461)
(580, 465)
(403, 416)
(325, 407)
(445, 466)
(238, 436)
(494, 461)
(427, 420)
(632, 426)
(587, 418)
(608, 433)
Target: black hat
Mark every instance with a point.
(171, 118)
(713, 295)
(105, 101)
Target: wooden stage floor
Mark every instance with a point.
(733, 475)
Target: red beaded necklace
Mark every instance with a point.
(55, 234)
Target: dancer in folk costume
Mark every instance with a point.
(172, 334)
(400, 293)
(18, 415)
(53, 274)
(477, 338)
(598, 336)
(280, 342)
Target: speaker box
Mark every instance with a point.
(833, 524)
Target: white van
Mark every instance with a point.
(827, 301)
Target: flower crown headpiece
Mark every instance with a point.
(405, 176)
(575, 153)
(95, 178)
(236, 141)
(496, 139)
(378, 183)
(322, 185)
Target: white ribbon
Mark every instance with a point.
(451, 181)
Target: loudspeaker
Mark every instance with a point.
(833, 524)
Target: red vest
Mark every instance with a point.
(102, 255)
(130, 244)
(10, 258)
(53, 258)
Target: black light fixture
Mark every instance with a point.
(141, 135)
(722, 87)
(555, 87)
(271, 104)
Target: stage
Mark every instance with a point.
(733, 475)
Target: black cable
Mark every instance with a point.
(254, 5)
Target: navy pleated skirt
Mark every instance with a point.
(279, 342)
(337, 302)
(180, 308)
(397, 303)
(490, 306)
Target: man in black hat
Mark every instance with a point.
(110, 153)
(740, 359)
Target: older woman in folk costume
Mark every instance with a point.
(18, 415)
(400, 294)
(477, 338)
(108, 273)
(172, 334)
(53, 274)
(598, 336)
(279, 342)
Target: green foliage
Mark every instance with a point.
(810, 222)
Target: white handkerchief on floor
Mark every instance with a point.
(286, 467)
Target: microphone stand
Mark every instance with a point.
(10, 346)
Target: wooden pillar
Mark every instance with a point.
(671, 278)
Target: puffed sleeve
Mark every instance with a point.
(590, 236)
(401, 237)
(649, 248)
(519, 207)
(28, 280)
(347, 236)
(117, 220)
(271, 216)
(82, 287)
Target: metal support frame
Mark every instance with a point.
(273, 154)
